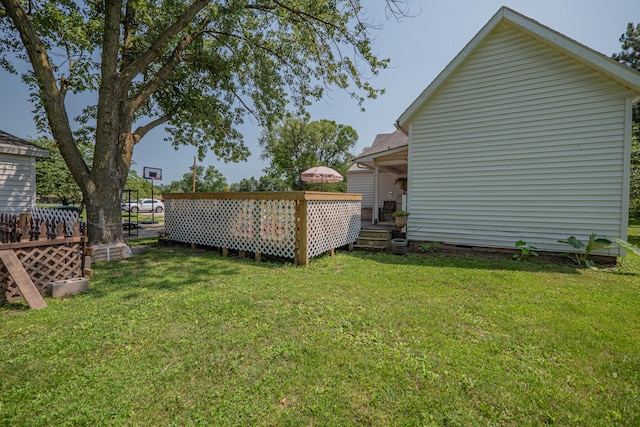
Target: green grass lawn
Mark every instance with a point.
(184, 337)
(634, 231)
(143, 217)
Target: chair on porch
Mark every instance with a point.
(388, 208)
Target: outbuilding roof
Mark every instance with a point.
(598, 62)
(11, 144)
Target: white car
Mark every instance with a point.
(144, 205)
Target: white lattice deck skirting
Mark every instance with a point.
(297, 225)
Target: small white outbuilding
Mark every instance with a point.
(525, 135)
(18, 173)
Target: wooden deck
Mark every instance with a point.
(381, 225)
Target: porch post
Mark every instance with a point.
(376, 195)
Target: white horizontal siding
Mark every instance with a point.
(521, 142)
(361, 183)
(17, 183)
(387, 185)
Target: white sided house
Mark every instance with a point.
(525, 135)
(375, 171)
(18, 173)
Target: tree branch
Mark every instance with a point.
(165, 71)
(128, 27)
(156, 48)
(52, 97)
(141, 131)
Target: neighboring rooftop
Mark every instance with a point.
(11, 144)
(382, 143)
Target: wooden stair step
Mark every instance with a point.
(373, 240)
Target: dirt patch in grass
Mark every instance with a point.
(501, 255)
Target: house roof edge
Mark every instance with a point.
(602, 64)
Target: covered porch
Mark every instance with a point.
(380, 175)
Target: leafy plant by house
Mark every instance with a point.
(526, 250)
(626, 245)
(429, 246)
(583, 250)
(402, 182)
(400, 218)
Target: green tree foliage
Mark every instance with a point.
(53, 178)
(634, 195)
(245, 185)
(139, 184)
(196, 67)
(265, 183)
(297, 145)
(630, 56)
(207, 180)
(271, 183)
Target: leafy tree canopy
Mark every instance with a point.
(265, 183)
(197, 67)
(634, 195)
(245, 185)
(630, 55)
(207, 180)
(53, 178)
(297, 145)
(140, 184)
(271, 183)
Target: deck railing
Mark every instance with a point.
(297, 225)
(50, 245)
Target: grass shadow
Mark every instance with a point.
(20, 305)
(169, 269)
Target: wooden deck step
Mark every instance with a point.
(373, 240)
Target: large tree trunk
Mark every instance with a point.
(114, 142)
(104, 191)
(103, 194)
(104, 216)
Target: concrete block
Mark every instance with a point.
(68, 287)
(139, 250)
(110, 252)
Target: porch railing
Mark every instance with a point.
(297, 225)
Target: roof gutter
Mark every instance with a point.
(400, 128)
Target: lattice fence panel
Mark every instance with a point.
(264, 226)
(277, 227)
(53, 216)
(44, 264)
(331, 224)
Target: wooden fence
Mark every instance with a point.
(49, 244)
(297, 225)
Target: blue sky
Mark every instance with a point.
(419, 49)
